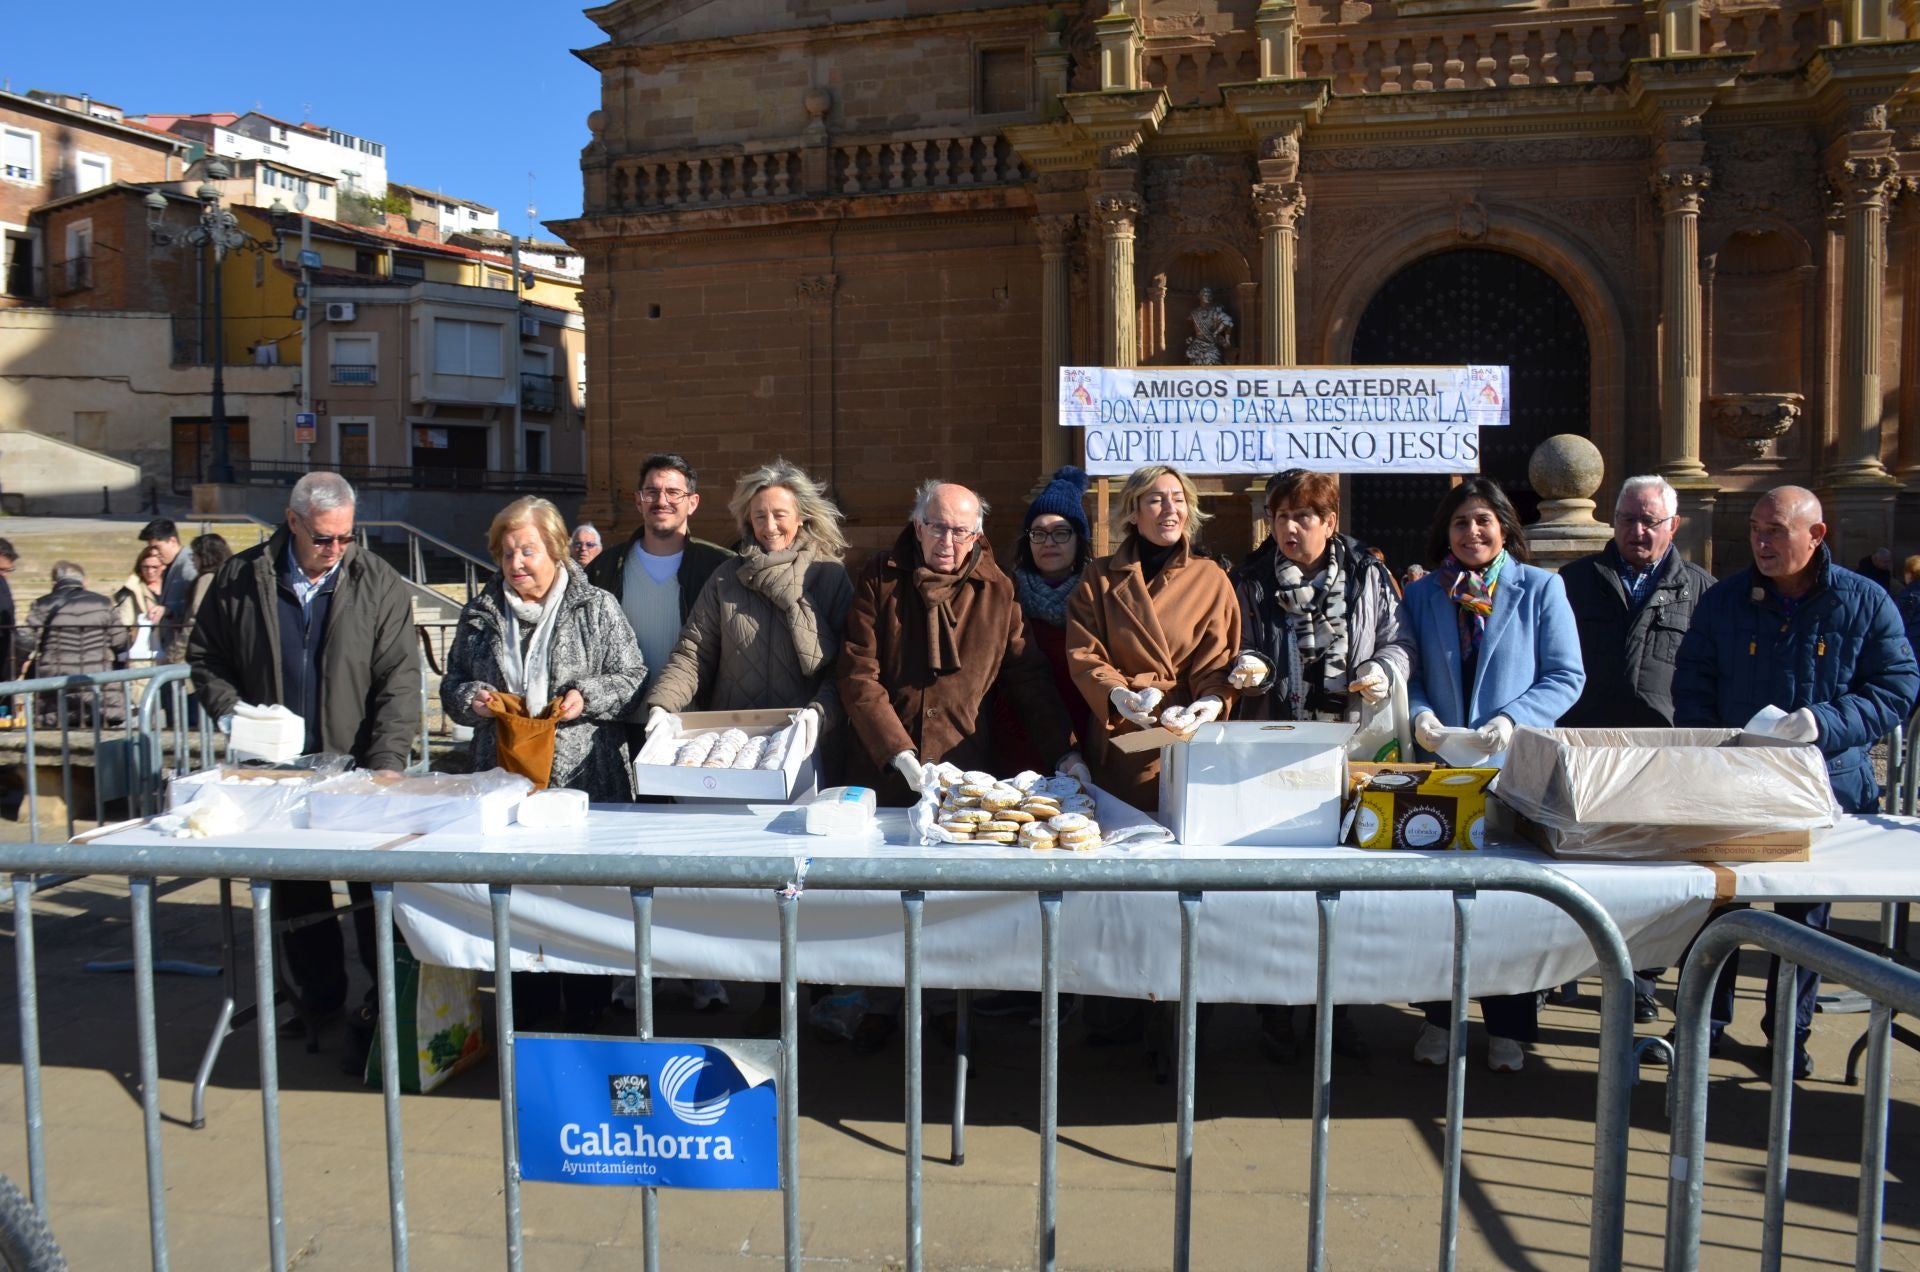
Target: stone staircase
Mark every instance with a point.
(105, 547)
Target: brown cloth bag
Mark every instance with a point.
(522, 743)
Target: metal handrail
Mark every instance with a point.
(416, 559)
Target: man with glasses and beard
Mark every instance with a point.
(656, 574)
(310, 621)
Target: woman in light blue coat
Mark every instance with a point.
(1497, 647)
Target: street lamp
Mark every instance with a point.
(220, 230)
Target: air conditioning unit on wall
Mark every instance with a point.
(340, 311)
(529, 326)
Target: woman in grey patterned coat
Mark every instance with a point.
(542, 631)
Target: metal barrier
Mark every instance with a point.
(132, 765)
(1889, 986)
(1464, 876)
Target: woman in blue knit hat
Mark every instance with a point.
(1055, 546)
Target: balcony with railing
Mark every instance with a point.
(888, 166)
(539, 392)
(355, 373)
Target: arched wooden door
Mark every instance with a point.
(1471, 306)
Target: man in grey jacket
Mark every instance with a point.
(310, 621)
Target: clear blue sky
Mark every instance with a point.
(468, 98)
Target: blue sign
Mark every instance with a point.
(310, 260)
(659, 1114)
(305, 419)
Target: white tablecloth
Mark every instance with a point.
(1254, 947)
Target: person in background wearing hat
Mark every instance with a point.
(1320, 633)
(1055, 545)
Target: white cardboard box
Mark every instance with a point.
(1253, 782)
(654, 772)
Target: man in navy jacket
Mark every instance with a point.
(1798, 632)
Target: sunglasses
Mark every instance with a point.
(327, 540)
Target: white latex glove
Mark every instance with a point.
(1370, 682)
(1249, 671)
(1800, 726)
(1136, 707)
(656, 716)
(1184, 722)
(1496, 735)
(909, 766)
(1426, 730)
(1071, 765)
(225, 724)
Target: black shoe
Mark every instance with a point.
(1645, 1008)
(1562, 995)
(1762, 1060)
(1347, 1040)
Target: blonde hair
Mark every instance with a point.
(1127, 504)
(1911, 568)
(819, 518)
(529, 511)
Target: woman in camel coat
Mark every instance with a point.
(1151, 632)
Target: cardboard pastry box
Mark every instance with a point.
(1421, 806)
(655, 773)
(1666, 794)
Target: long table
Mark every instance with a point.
(1254, 947)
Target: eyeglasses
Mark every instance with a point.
(1055, 534)
(672, 498)
(936, 532)
(326, 540)
(583, 545)
(1626, 521)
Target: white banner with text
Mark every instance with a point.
(1260, 420)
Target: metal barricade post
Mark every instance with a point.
(1889, 986)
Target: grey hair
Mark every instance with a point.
(588, 525)
(819, 517)
(924, 496)
(320, 492)
(1669, 497)
(64, 570)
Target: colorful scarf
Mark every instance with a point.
(1472, 591)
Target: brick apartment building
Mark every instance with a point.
(53, 146)
(867, 240)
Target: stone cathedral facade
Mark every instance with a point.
(865, 234)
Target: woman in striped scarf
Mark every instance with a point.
(1497, 647)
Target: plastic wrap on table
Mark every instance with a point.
(1662, 793)
(479, 803)
(251, 796)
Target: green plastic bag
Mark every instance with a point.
(440, 1020)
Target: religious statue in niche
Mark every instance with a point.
(1212, 332)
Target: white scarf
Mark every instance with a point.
(527, 675)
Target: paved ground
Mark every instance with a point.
(1526, 1196)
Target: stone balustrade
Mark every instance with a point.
(668, 183)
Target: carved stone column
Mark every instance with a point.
(1117, 215)
(1866, 183)
(1680, 189)
(1056, 233)
(1908, 238)
(1279, 205)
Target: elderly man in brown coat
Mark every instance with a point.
(934, 633)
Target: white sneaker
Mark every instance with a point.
(1504, 1055)
(1431, 1046)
